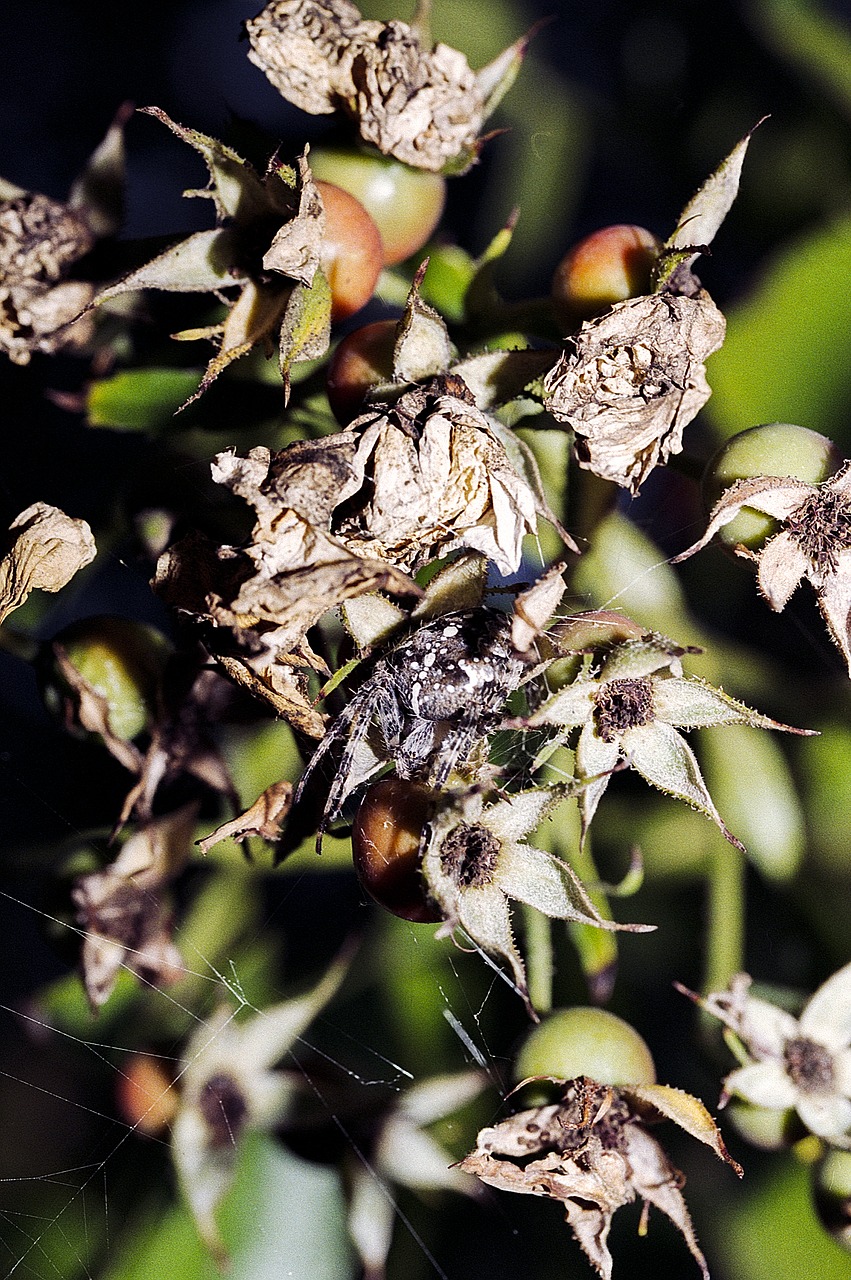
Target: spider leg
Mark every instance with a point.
(455, 746)
(415, 748)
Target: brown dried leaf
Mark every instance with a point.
(126, 921)
(296, 247)
(263, 818)
(632, 380)
(48, 550)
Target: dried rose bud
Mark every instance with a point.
(630, 382)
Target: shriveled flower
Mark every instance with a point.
(592, 1151)
(229, 1087)
(49, 548)
(802, 1062)
(42, 240)
(631, 380)
(257, 602)
(813, 543)
(420, 104)
(266, 245)
(122, 910)
(429, 475)
(476, 858)
(629, 708)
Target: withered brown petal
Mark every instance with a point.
(263, 818)
(49, 548)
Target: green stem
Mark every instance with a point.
(725, 930)
(537, 932)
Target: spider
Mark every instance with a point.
(431, 697)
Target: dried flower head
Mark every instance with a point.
(802, 1062)
(813, 543)
(42, 240)
(631, 380)
(592, 1151)
(125, 919)
(422, 105)
(476, 858)
(630, 707)
(429, 475)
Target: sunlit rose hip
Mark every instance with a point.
(405, 203)
(608, 266)
(363, 358)
(352, 253)
(586, 1041)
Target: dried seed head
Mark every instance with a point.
(423, 107)
(40, 239)
(622, 704)
(821, 526)
(809, 1065)
(469, 855)
(224, 1108)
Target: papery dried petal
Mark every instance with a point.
(49, 548)
(632, 380)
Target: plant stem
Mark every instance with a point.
(725, 926)
(537, 930)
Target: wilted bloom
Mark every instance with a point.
(629, 708)
(476, 858)
(122, 910)
(813, 543)
(802, 1062)
(420, 104)
(631, 380)
(430, 474)
(592, 1152)
(42, 240)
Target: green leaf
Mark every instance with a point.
(810, 38)
(98, 192)
(787, 354)
(139, 399)
(236, 187)
(305, 324)
(199, 264)
(750, 780)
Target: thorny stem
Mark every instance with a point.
(537, 930)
